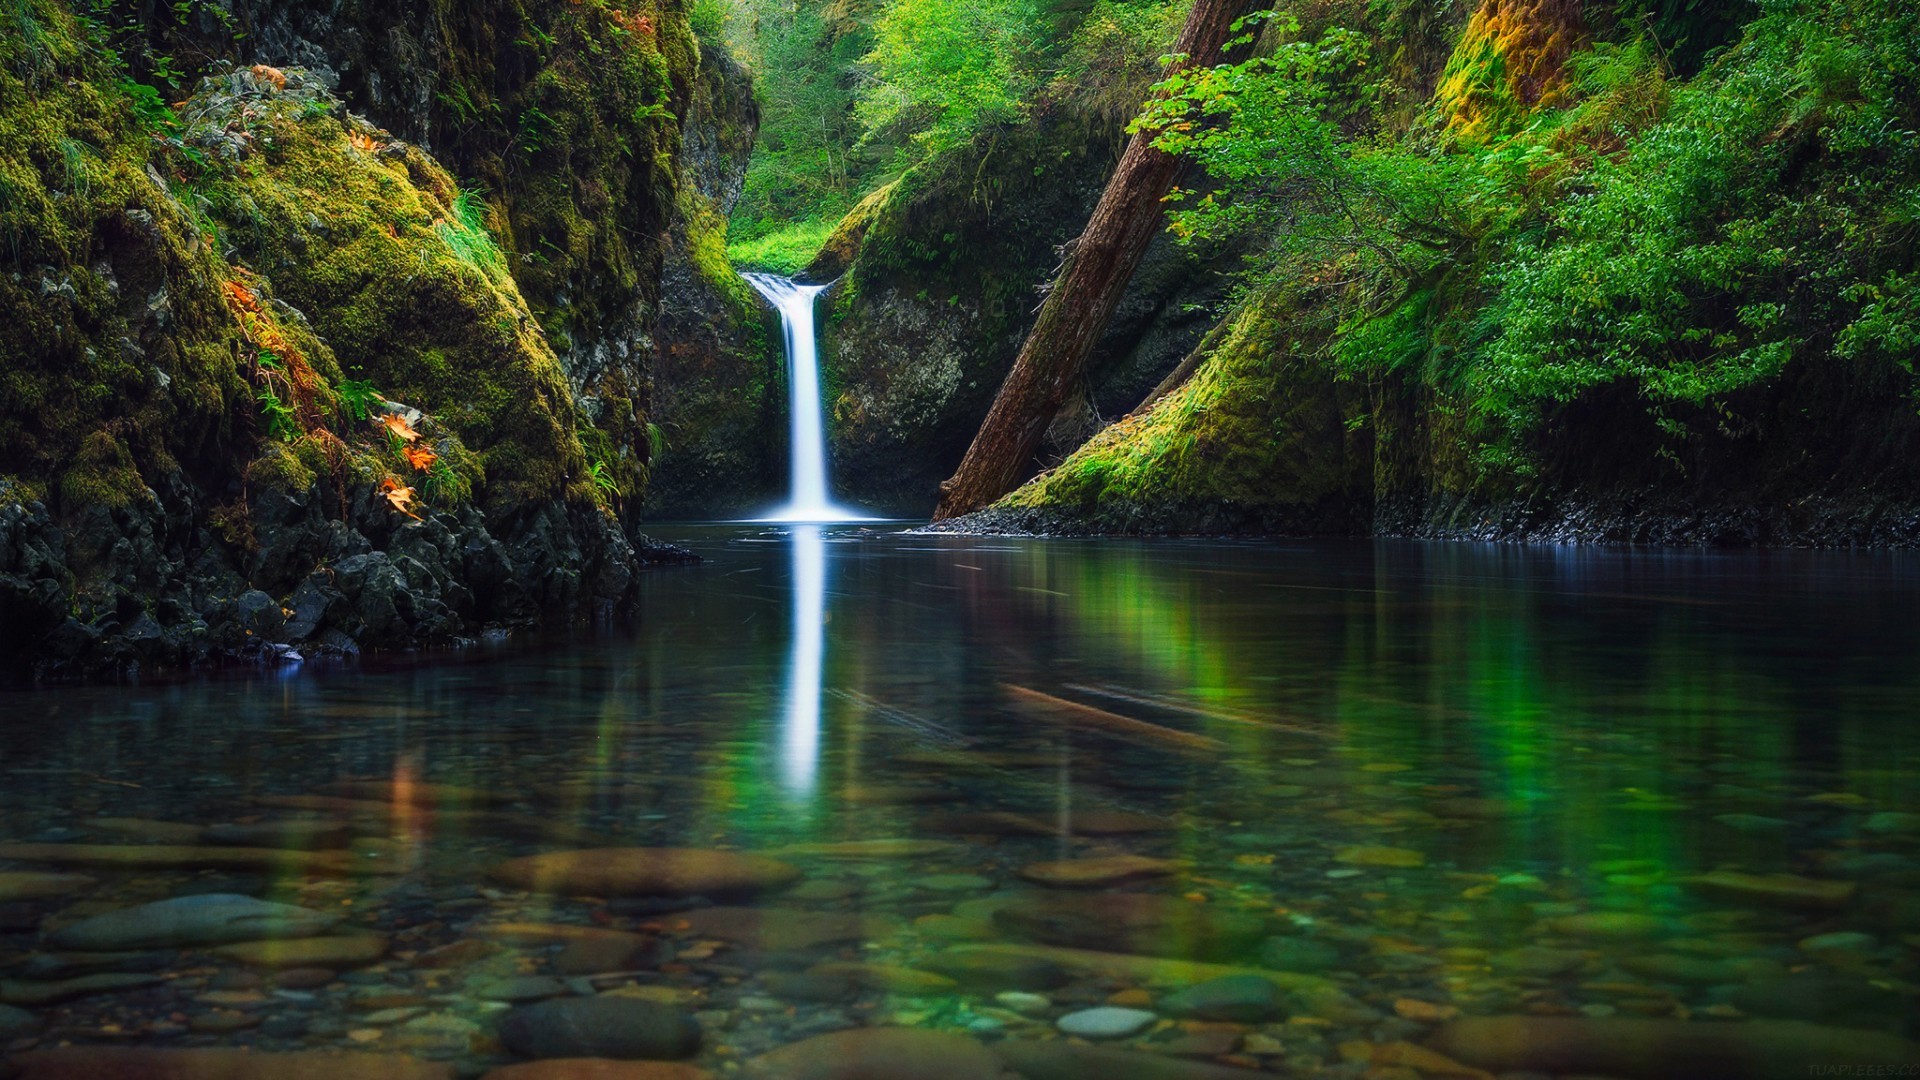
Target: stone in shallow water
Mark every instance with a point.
(160, 832)
(299, 835)
(1608, 924)
(1298, 954)
(67, 965)
(990, 971)
(796, 986)
(32, 885)
(604, 1027)
(646, 872)
(1672, 968)
(1106, 870)
(1405, 858)
(1105, 1022)
(339, 951)
(1144, 923)
(17, 1023)
(521, 988)
(952, 883)
(178, 857)
(1819, 995)
(882, 1053)
(1536, 960)
(888, 977)
(126, 1063)
(207, 919)
(782, 929)
(1241, 999)
(1788, 891)
(1060, 1060)
(1636, 1049)
(609, 950)
(598, 1069)
(14, 992)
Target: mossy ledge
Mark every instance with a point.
(269, 385)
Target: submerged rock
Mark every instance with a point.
(172, 856)
(1142, 923)
(1635, 1049)
(31, 885)
(1059, 1060)
(127, 1063)
(600, 1027)
(1106, 870)
(342, 951)
(1242, 999)
(209, 919)
(1774, 890)
(1105, 1022)
(881, 1053)
(647, 872)
(783, 929)
(35, 994)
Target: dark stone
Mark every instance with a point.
(1143, 923)
(605, 1027)
(994, 972)
(1241, 999)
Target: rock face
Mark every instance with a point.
(209, 919)
(1140, 923)
(600, 1027)
(647, 872)
(878, 1054)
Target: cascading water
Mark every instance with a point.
(807, 498)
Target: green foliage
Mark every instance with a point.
(784, 251)
(941, 70)
(465, 231)
(359, 398)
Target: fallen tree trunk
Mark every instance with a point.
(1085, 292)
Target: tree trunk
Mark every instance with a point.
(1088, 288)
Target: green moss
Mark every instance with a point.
(785, 251)
(103, 474)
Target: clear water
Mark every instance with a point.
(1533, 736)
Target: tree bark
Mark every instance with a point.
(1085, 292)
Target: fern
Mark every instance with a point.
(465, 232)
(359, 397)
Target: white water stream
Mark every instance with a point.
(807, 495)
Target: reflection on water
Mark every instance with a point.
(1400, 784)
(802, 730)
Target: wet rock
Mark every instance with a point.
(1298, 954)
(1142, 923)
(17, 1024)
(954, 928)
(1789, 891)
(1105, 1022)
(35, 994)
(1821, 996)
(1843, 942)
(1633, 1048)
(601, 1027)
(956, 883)
(521, 988)
(304, 978)
(1752, 823)
(1404, 858)
(208, 919)
(1613, 925)
(609, 950)
(1090, 873)
(127, 1063)
(598, 1069)
(1058, 1060)
(294, 835)
(1241, 999)
(1672, 968)
(332, 952)
(178, 857)
(31, 885)
(1537, 961)
(1024, 1003)
(882, 1053)
(67, 965)
(647, 872)
(822, 891)
(990, 971)
(802, 986)
(888, 978)
(782, 929)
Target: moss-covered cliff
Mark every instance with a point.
(273, 374)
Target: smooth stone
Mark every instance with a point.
(1143, 923)
(521, 988)
(1105, 1022)
(600, 1027)
(988, 971)
(798, 986)
(1298, 954)
(38, 885)
(1666, 967)
(1536, 960)
(333, 951)
(952, 883)
(782, 929)
(888, 978)
(17, 1024)
(1060, 1060)
(179, 857)
(613, 872)
(1403, 858)
(67, 965)
(1090, 873)
(206, 919)
(1024, 1003)
(878, 1053)
(130, 1063)
(299, 835)
(16, 992)
(609, 950)
(1608, 924)
(1789, 891)
(598, 1069)
(1642, 1049)
(954, 928)
(304, 978)
(1240, 999)
(1842, 941)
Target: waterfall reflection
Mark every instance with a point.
(801, 745)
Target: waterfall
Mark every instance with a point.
(807, 497)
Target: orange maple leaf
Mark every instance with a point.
(364, 142)
(271, 76)
(399, 426)
(420, 457)
(399, 496)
